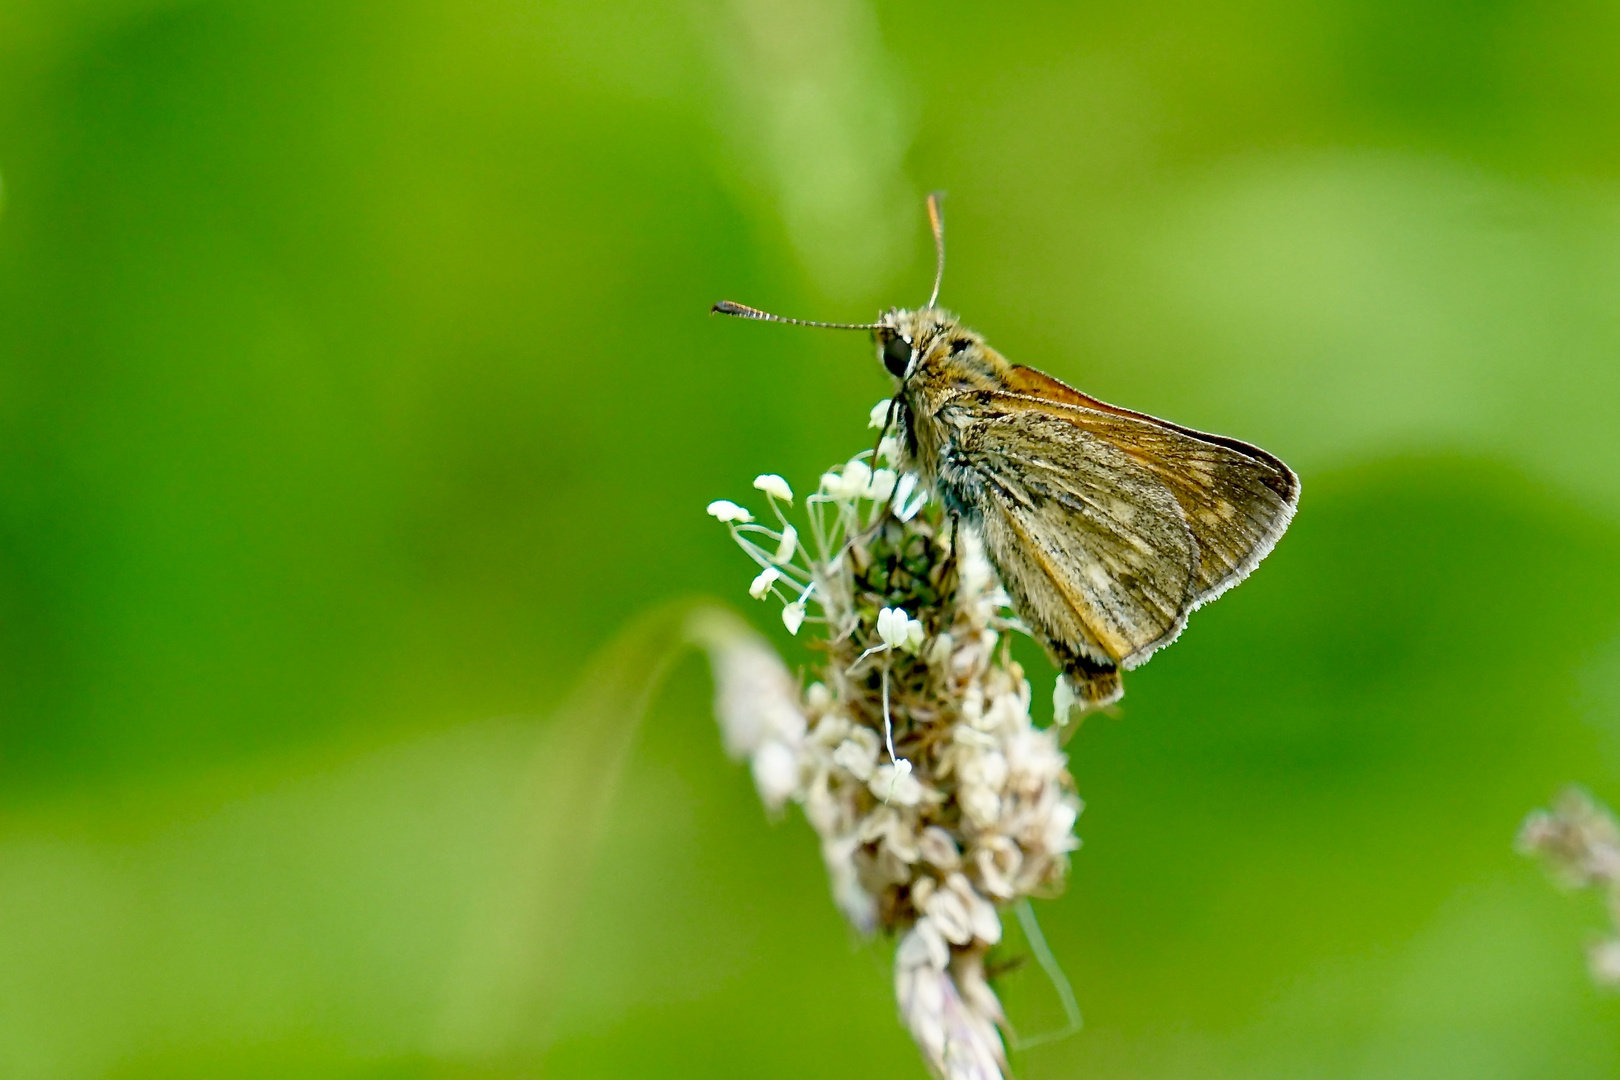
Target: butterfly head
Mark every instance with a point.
(908, 337)
(909, 340)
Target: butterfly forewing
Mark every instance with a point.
(1236, 498)
(1092, 546)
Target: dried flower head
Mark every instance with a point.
(1579, 842)
(936, 798)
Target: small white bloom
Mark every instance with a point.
(930, 947)
(956, 1035)
(755, 698)
(776, 773)
(880, 486)
(879, 413)
(793, 616)
(893, 783)
(981, 805)
(891, 626)
(856, 759)
(876, 825)
(857, 474)
(726, 510)
(938, 849)
(818, 697)
(1063, 700)
(763, 582)
(899, 630)
(889, 449)
(901, 842)
(974, 569)
(988, 769)
(856, 904)
(950, 916)
(1058, 833)
(829, 730)
(771, 484)
(981, 913)
(998, 860)
(789, 544)
(828, 812)
(1005, 715)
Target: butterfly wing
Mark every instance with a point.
(1236, 498)
(1108, 527)
(1091, 545)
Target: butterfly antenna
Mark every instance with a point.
(743, 311)
(936, 221)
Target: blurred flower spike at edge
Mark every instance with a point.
(1578, 840)
(936, 799)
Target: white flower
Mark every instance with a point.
(981, 913)
(980, 805)
(855, 903)
(998, 861)
(988, 769)
(776, 773)
(893, 783)
(879, 413)
(771, 484)
(973, 568)
(827, 812)
(950, 915)
(899, 630)
(726, 510)
(1058, 833)
(830, 729)
(856, 759)
(789, 544)
(981, 811)
(755, 699)
(1063, 700)
(763, 582)
(958, 1041)
(857, 475)
(891, 626)
(938, 849)
(900, 841)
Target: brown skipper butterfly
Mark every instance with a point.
(1107, 527)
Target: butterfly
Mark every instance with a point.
(1106, 527)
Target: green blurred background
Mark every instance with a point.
(356, 389)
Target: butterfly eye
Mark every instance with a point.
(896, 355)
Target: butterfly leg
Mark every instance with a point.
(1095, 684)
